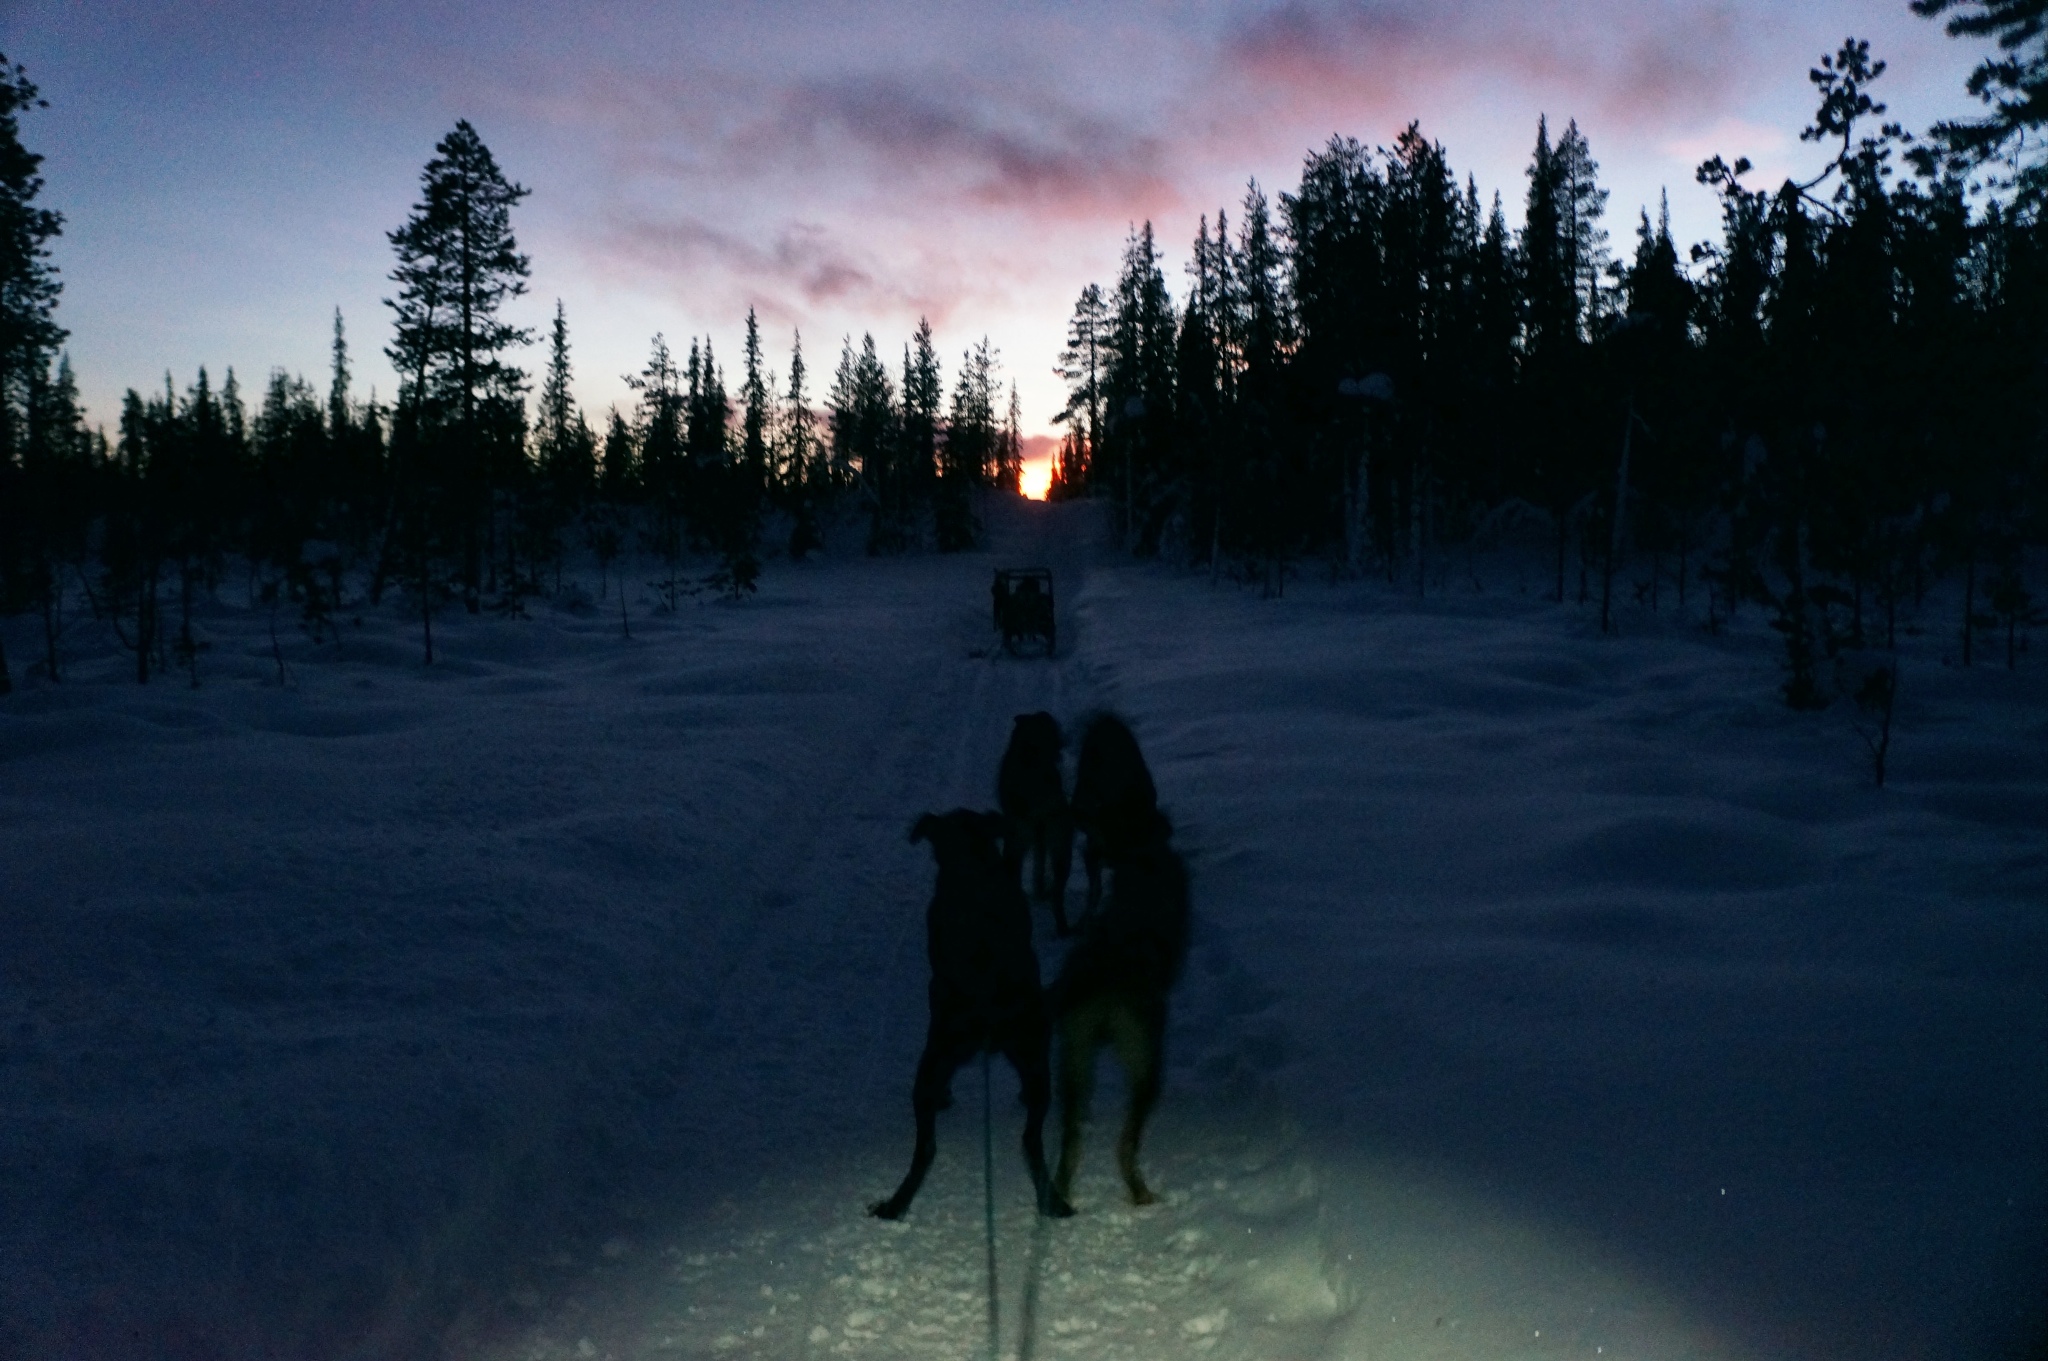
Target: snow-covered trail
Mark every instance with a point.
(788, 1264)
(340, 1015)
(1552, 996)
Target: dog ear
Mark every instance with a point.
(924, 828)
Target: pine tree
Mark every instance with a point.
(564, 443)
(1581, 204)
(1010, 459)
(339, 418)
(867, 427)
(661, 456)
(618, 473)
(968, 457)
(1138, 390)
(2014, 85)
(1081, 366)
(803, 456)
(923, 393)
(55, 486)
(754, 417)
(29, 333)
(457, 265)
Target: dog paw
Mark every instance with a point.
(1142, 1195)
(887, 1209)
(1056, 1207)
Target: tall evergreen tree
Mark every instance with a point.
(1581, 203)
(803, 456)
(457, 265)
(53, 494)
(969, 457)
(29, 334)
(564, 443)
(661, 456)
(754, 414)
(1081, 366)
(1138, 390)
(1010, 458)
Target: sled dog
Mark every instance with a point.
(985, 993)
(1033, 796)
(1112, 990)
(1114, 799)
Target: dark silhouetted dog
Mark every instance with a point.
(1034, 798)
(1112, 992)
(1114, 799)
(985, 993)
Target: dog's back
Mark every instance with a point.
(1136, 946)
(1113, 789)
(1028, 783)
(978, 927)
(1114, 797)
(1033, 796)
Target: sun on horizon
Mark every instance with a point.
(1035, 478)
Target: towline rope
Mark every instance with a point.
(988, 1204)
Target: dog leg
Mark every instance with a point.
(1061, 833)
(1138, 1046)
(930, 1094)
(1078, 1042)
(1091, 856)
(1029, 1056)
(1016, 845)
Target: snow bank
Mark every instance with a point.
(1552, 995)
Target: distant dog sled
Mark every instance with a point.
(1024, 607)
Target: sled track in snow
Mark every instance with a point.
(793, 1267)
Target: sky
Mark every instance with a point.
(228, 171)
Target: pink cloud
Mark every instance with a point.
(1385, 58)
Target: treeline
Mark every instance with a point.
(1836, 402)
(459, 489)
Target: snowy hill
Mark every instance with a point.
(1552, 995)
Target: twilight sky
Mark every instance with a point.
(228, 170)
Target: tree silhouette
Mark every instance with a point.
(460, 406)
(29, 336)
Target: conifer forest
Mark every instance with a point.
(593, 607)
(1837, 402)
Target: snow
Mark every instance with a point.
(1552, 995)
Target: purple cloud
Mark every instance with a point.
(996, 146)
(1664, 65)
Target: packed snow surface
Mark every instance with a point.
(1552, 995)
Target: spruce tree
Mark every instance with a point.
(802, 456)
(754, 415)
(565, 446)
(923, 392)
(662, 456)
